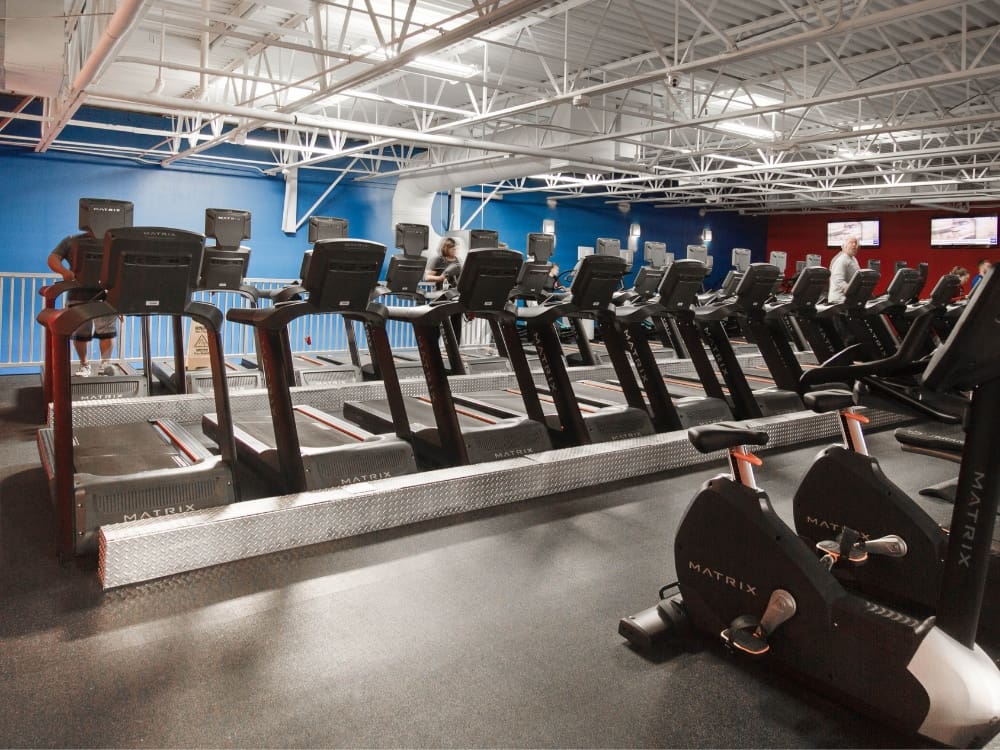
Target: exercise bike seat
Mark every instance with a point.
(829, 400)
(708, 438)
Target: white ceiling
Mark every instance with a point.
(759, 105)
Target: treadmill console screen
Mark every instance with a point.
(151, 270)
(224, 269)
(343, 274)
(811, 286)
(655, 254)
(483, 238)
(488, 277)
(681, 284)
(531, 279)
(97, 216)
(757, 284)
(326, 228)
(903, 284)
(540, 246)
(647, 281)
(405, 274)
(596, 279)
(609, 246)
(861, 287)
(227, 226)
(412, 239)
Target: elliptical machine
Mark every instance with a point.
(746, 578)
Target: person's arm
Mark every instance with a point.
(433, 272)
(56, 261)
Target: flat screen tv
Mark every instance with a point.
(866, 230)
(964, 231)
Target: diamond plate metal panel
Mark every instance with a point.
(157, 547)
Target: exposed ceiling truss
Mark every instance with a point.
(757, 105)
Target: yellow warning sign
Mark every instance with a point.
(197, 349)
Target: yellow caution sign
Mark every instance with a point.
(197, 348)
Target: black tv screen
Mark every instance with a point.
(540, 246)
(866, 230)
(479, 238)
(964, 231)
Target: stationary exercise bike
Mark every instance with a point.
(746, 578)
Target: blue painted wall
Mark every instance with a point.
(40, 194)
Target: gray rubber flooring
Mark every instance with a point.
(493, 629)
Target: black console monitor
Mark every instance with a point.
(97, 216)
(860, 288)
(343, 273)
(531, 280)
(903, 285)
(947, 288)
(224, 269)
(875, 265)
(609, 246)
(404, 274)
(326, 228)
(487, 279)
(757, 284)
(487, 238)
(412, 239)
(655, 254)
(540, 246)
(151, 270)
(811, 286)
(647, 280)
(227, 226)
(971, 353)
(596, 278)
(681, 284)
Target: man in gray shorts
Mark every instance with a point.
(102, 329)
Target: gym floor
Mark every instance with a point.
(490, 629)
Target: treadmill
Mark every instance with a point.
(298, 448)
(678, 290)
(116, 473)
(442, 433)
(325, 367)
(224, 269)
(96, 216)
(571, 422)
(747, 305)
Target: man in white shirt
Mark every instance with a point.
(842, 269)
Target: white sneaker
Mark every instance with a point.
(83, 371)
(106, 368)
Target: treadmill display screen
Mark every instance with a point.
(681, 284)
(343, 274)
(655, 254)
(412, 239)
(326, 228)
(98, 215)
(227, 226)
(488, 277)
(540, 246)
(483, 238)
(151, 270)
(596, 279)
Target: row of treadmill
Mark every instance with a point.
(744, 576)
(297, 447)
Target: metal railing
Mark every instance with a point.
(22, 339)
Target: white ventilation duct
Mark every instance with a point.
(413, 200)
(32, 48)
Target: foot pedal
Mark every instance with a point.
(748, 636)
(653, 626)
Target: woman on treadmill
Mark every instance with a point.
(446, 267)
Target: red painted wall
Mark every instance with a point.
(904, 235)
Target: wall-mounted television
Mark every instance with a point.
(866, 230)
(964, 231)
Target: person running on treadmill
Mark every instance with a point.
(103, 329)
(842, 269)
(445, 267)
